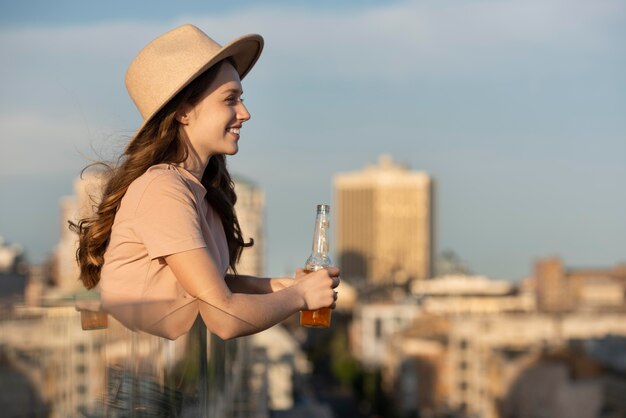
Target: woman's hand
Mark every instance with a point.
(317, 288)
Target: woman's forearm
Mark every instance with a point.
(244, 314)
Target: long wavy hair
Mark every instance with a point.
(162, 140)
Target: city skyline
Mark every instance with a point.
(514, 108)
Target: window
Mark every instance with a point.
(463, 344)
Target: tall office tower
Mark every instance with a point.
(250, 208)
(385, 223)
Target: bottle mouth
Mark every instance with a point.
(323, 208)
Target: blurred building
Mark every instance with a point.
(372, 326)
(482, 365)
(284, 365)
(385, 223)
(11, 257)
(375, 323)
(449, 263)
(250, 209)
(467, 346)
(464, 294)
(42, 340)
(62, 363)
(39, 278)
(610, 353)
(50, 367)
(550, 387)
(13, 272)
(560, 289)
(88, 190)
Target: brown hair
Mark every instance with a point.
(160, 141)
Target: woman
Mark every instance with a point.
(165, 232)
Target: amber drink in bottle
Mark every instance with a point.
(318, 260)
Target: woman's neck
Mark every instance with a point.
(195, 163)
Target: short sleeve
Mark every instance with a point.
(166, 218)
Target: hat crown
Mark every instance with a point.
(166, 64)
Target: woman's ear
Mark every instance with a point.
(182, 118)
(182, 115)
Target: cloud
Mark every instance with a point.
(404, 39)
(408, 39)
(66, 82)
(37, 143)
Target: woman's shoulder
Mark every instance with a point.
(156, 179)
(159, 170)
(160, 173)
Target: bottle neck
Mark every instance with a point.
(320, 237)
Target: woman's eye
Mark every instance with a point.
(234, 100)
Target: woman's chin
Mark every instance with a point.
(234, 150)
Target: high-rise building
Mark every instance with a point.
(385, 223)
(250, 208)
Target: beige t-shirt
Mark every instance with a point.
(163, 212)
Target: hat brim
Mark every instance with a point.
(244, 52)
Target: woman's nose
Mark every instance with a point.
(242, 112)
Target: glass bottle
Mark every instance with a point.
(319, 259)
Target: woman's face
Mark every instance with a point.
(212, 125)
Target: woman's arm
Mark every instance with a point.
(228, 314)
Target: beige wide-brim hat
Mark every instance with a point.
(173, 60)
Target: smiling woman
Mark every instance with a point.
(165, 236)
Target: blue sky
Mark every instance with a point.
(516, 108)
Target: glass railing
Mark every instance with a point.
(51, 367)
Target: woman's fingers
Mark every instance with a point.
(332, 271)
(319, 287)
